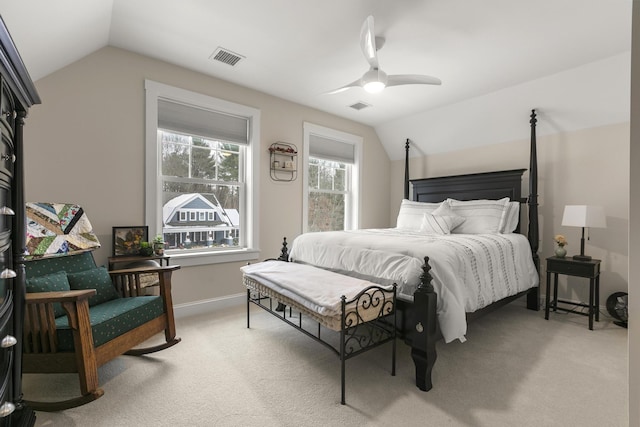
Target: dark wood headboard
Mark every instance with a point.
(487, 185)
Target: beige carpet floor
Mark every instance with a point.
(516, 369)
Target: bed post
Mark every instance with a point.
(424, 331)
(533, 236)
(284, 252)
(284, 256)
(406, 170)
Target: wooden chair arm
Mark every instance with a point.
(129, 284)
(40, 325)
(144, 270)
(59, 296)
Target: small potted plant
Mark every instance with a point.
(146, 249)
(158, 244)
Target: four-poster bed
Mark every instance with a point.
(501, 253)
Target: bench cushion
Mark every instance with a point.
(112, 319)
(318, 292)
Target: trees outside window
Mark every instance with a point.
(328, 189)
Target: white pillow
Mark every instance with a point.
(439, 224)
(481, 216)
(510, 218)
(411, 213)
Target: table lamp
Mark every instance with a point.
(583, 216)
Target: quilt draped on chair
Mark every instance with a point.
(58, 229)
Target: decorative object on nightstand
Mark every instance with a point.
(584, 216)
(560, 251)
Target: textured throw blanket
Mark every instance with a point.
(317, 289)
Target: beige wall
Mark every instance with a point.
(583, 167)
(85, 144)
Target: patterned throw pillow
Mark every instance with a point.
(98, 279)
(439, 224)
(50, 283)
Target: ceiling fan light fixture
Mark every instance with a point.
(374, 80)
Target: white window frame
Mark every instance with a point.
(249, 220)
(352, 202)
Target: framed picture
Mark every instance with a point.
(126, 240)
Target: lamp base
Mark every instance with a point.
(582, 257)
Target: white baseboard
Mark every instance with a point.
(208, 306)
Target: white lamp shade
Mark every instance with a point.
(584, 216)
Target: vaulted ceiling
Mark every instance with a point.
(497, 59)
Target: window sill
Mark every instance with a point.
(204, 258)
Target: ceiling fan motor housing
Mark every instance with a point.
(374, 80)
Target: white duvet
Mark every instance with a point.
(470, 271)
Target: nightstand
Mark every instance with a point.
(570, 267)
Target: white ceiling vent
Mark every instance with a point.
(360, 105)
(226, 56)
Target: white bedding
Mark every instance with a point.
(470, 271)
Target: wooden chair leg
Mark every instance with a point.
(83, 343)
(78, 314)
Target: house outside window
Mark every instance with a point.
(202, 169)
(332, 161)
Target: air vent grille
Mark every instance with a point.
(226, 56)
(360, 105)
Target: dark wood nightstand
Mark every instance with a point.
(570, 267)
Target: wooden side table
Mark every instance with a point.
(570, 267)
(114, 260)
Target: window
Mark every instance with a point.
(331, 184)
(201, 175)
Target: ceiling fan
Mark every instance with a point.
(375, 80)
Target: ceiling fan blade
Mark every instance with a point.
(356, 83)
(412, 79)
(368, 42)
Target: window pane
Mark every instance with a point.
(203, 164)
(228, 166)
(216, 224)
(313, 174)
(326, 176)
(339, 180)
(326, 211)
(175, 160)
